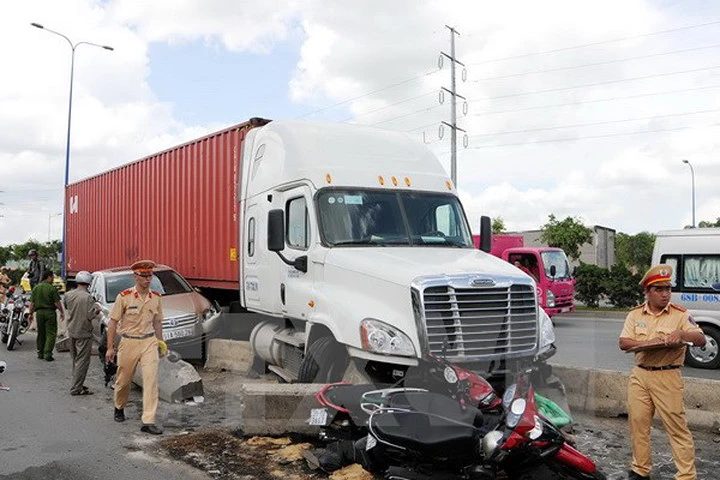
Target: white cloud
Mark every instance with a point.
(621, 178)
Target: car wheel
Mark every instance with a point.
(709, 355)
(325, 362)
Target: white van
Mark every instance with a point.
(694, 255)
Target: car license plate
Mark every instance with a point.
(318, 416)
(565, 309)
(179, 333)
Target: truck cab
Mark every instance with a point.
(356, 249)
(550, 269)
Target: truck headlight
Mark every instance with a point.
(550, 299)
(547, 331)
(379, 337)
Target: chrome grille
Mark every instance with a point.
(179, 321)
(480, 323)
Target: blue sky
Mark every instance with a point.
(601, 101)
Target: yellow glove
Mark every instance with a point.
(162, 348)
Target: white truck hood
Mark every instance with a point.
(402, 265)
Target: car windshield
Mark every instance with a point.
(559, 260)
(167, 282)
(382, 218)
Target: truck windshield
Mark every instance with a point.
(381, 218)
(559, 259)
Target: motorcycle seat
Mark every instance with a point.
(437, 404)
(426, 434)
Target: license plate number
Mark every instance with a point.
(318, 416)
(565, 309)
(179, 333)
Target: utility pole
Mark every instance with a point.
(453, 103)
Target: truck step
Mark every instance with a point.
(286, 375)
(290, 340)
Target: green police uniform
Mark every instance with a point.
(43, 297)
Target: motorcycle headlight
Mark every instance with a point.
(547, 331)
(550, 299)
(379, 337)
(509, 395)
(517, 408)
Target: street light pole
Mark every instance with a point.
(692, 173)
(73, 46)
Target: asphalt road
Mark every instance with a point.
(592, 342)
(47, 433)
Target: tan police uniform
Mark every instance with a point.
(4, 281)
(138, 345)
(656, 384)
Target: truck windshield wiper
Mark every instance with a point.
(366, 241)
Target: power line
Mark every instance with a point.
(386, 107)
(424, 110)
(595, 64)
(609, 82)
(607, 122)
(403, 82)
(570, 139)
(625, 97)
(592, 44)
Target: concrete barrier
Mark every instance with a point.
(177, 381)
(278, 408)
(604, 393)
(230, 355)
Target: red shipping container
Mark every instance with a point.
(178, 207)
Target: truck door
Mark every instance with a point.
(300, 236)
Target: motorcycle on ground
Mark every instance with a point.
(415, 434)
(14, 318)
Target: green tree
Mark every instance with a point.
(709, 224)
(590, 284)
(569, 234)
(498, 226)
(623, 287)
(634, 250)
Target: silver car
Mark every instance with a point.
(190, 318)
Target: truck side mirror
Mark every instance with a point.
(553, 271)
(485, 234)
(276, 230)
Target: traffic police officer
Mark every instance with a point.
(44, 303)
(657, 331)
(137, 316)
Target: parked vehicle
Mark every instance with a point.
(694, 255)
(190, 318)
(548, 266)
(57, 283)
(350, 242)
(14, 318)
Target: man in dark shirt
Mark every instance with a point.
(36, 270)
(44, 302)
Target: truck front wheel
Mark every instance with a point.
(325, 362)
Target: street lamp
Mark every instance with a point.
(50, 215)
(73, 46)
(692, 172)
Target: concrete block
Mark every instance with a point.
(230, 355)
(177, 381)
(275, 409)
(62, 344)
(604, 393)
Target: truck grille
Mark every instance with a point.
(480, 323)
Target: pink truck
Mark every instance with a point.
(548, 266)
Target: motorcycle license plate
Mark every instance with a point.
(179, 333)
(318, 416)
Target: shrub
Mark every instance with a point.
(590, 285)
(622, 287)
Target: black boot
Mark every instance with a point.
(633, 475)
(119, 414)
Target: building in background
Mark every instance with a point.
(600, 252)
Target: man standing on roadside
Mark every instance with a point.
(81, 311)
(36, 270)
(658, 332)
(4, 283)
(45, 303)
(137, 316)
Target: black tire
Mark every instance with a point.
(709, 355)
(13, 332)
(325, 362)
(4, 338)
